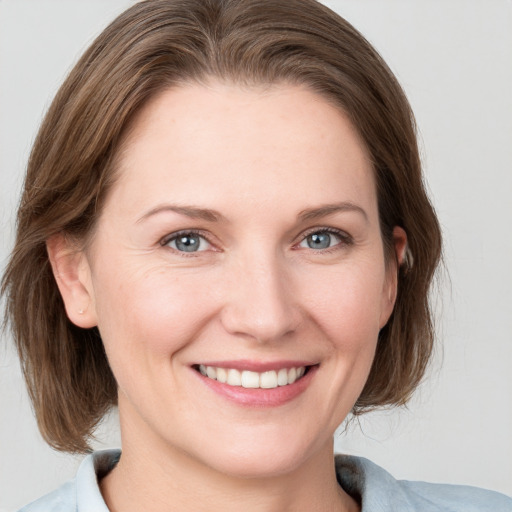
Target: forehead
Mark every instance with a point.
(223, 140)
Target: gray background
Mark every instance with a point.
(454, 59)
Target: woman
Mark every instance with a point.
(165, 266)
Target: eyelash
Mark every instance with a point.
(346, 239)
(174, 236)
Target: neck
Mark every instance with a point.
(164, 479)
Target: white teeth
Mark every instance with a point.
(248, 379)
(222, 375)
(282, 377)
(268, 380)
(234, 378)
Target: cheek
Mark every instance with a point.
(347, 304)
(149, 312)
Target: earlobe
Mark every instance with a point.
(72, 274)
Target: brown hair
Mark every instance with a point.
(156, 44)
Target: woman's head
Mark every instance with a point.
(159, 46)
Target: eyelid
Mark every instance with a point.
(346, 238)
(175, 234)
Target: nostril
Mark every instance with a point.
(265, 323)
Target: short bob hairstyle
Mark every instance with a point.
(158, 44)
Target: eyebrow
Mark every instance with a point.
(188, 211)
(209, 215)
(330, 209)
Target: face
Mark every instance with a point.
(237, 276)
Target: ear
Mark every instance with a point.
(73, 275)
(391, 285)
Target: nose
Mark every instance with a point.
(261, 304)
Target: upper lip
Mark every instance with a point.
(257, 366)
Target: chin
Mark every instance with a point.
(258, 465)
(262, 458)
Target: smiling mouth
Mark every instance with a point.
(254, 380)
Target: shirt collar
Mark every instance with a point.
(92, 468)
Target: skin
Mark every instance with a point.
(255, 291)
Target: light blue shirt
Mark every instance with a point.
(378, 490)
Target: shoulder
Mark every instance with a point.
(60, 500)
(457, 497)
(82, 493)
(380, 492)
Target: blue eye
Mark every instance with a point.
(321, 240)
(188, 242)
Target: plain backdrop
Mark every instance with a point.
(454, 59)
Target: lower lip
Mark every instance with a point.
(259, 397)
